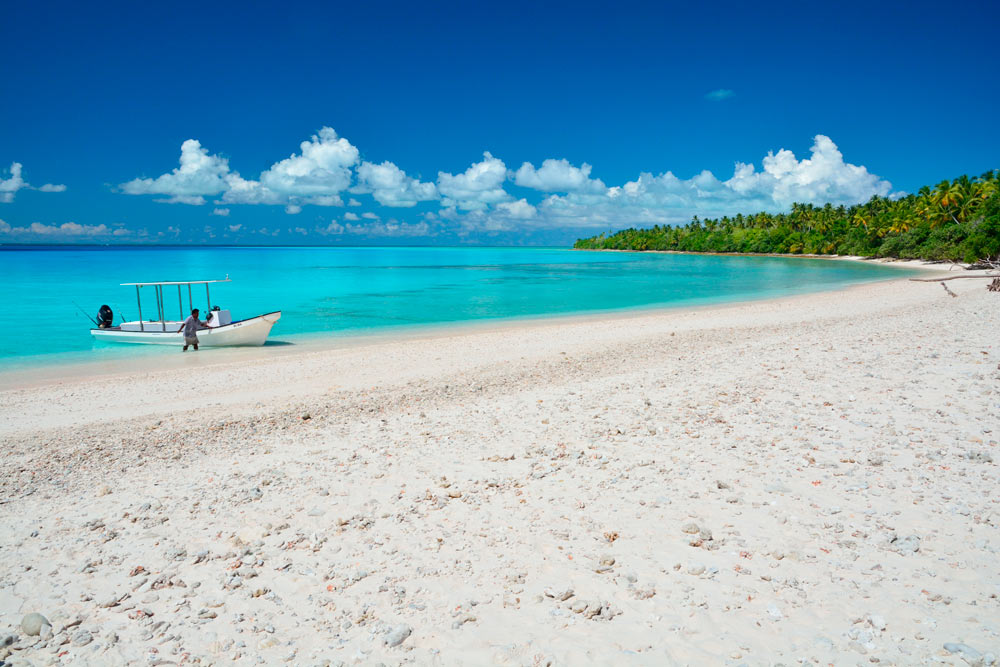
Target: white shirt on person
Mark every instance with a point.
(191, 325)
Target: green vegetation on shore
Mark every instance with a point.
(956, 220)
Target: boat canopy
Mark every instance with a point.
(180, 282)
(161, 300)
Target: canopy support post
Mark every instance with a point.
(190, 301)
(159, 291)
(208, 298)
(138, 302)
(180, 302)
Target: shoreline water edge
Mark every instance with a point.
(805, 478)
(112, 359)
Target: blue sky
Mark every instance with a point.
(433, 123)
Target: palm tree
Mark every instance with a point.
(862, 218)
(900, 220)
(941, 201)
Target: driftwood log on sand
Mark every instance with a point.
(937, 280)
(993, 266)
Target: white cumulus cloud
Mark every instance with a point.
(10, 185)
(519, 210)
(665, 198)
(322, 168)
(478, 187)
(558, 176)
(390, 186)
(223, 212)
(822, 177)
(316, 175)
(325, 200)
(242, 191)
(198, 175)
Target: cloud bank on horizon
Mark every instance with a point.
(67, 229)
(487, 197)
(329, 166)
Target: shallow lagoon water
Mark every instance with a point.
(324, 291)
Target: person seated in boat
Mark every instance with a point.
(190, 328)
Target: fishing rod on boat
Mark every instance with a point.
(84, 313)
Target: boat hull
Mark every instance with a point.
(249, 332)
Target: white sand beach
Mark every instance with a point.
(808, 480)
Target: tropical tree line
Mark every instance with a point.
(955, 220)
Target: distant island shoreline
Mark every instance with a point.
(934, 264)
(955, 221)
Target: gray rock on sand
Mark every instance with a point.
(595, 610)
(644, 593)
(905, 545)
(396, 636)
(32, 624)
(983, 457)
(858, 646)
(462, 620)
(967, 653)
(877, 622)
(559, 594)
(82, 638)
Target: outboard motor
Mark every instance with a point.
(105, 317)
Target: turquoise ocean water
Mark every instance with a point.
(344, 291)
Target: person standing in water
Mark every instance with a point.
(190, 329)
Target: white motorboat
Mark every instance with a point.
(222, 331)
